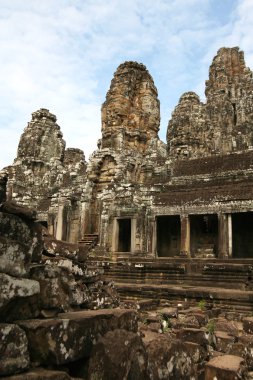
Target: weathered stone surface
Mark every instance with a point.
(223, 341)
(40, 374)
(247, 353)
(131, 112)
(71, 336)
(47, 177)
(11, 207)
(226, 367)
(188, 120)
(119, 354)
(21, 243)
(231, 327)
(224, 123)
(248, 325)
(169, 358)
(12, 288)
(193, 335)
(47, 134)
(60, 248)
(14, 356)
(59, 289)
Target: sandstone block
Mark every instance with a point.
(21, 243)
(11, 207)
(39, 374)
(247, 342)
(225, 367)
(248, 325)
(3, 182)
(119, 354)
(12, 288)
(169, 358)
(59, 289)
(70, 337)
(14, 356)
(193, 335)
(223, 341)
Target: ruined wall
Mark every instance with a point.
(132, 174)
(48, 177)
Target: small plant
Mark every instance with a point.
(202, 305)
(165, 323)
(210, 326)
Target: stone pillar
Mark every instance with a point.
(150, 246)
(59, 228)
(104, 227)
(153, 236)
(115, 235)
(230, 236)
(222, 236)
(185, 249)
(133, 234)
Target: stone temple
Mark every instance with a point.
(170, 223)
(138, 196)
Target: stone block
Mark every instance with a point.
(168, 312)
(14, 258)
(173, 359)
(20, 244)
(225, 367)
(248, 325)
(231, 327)
(40, 374)
(12, 288)
(71, 336)
(59, 289)
(23, 212)
(247, 342)
(223, 341)
(14, 356)
(199, 336)
(119, 354)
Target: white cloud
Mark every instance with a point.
(62, 55)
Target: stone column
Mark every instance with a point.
(59, 228)
(230, 236)
(133, 234)
(185, 249)
(115, 235)
(222, 236)
(150, 245)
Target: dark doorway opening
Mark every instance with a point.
(124, 235)
(242, 235)
(44, 223)
(168, 235)
(204, 235)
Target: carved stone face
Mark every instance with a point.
(131, 104)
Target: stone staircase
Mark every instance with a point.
(89, 240)
(226, 282)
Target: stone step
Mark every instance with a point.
(227, 298)
(72, 334)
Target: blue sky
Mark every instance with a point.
(61, 55)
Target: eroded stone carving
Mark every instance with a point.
(131, 112)
(224, 123)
